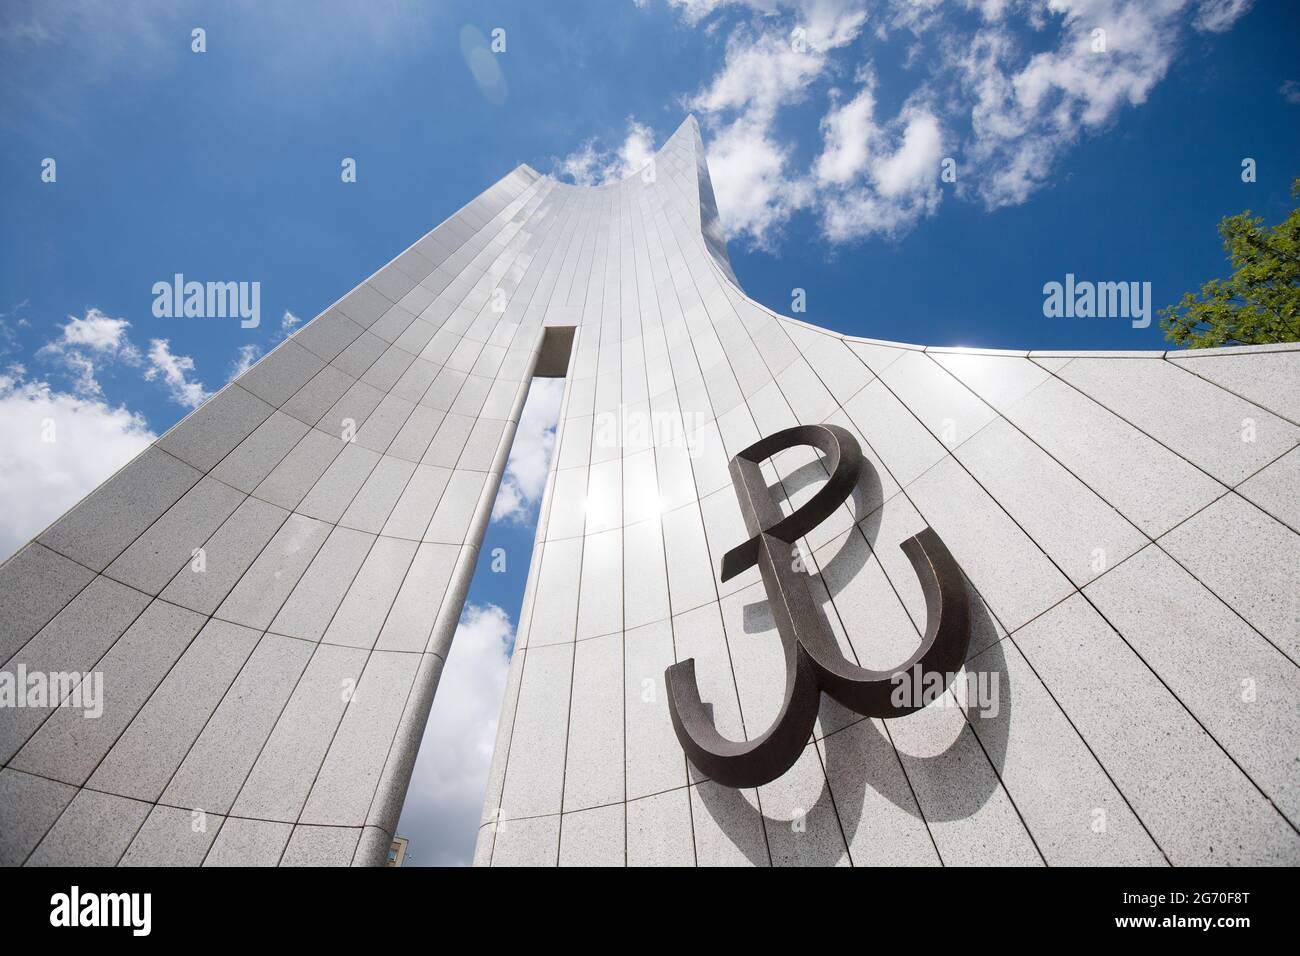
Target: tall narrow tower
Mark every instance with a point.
(268, 593)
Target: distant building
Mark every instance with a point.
(397, 852)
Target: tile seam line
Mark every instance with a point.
(651, 225)
(663, 553)
(76, 594)
(521, 399)
(693, 785)
(659, 520)
(898, 596)
(234, 800)
(1230, 493)
(370, 651)
(162, 804)
(622, 644)
(424, 653)
(529, 598)
(334, 305)
(244, 495)
(1149, 539)
(1107, 408)
(1219, 385)
(830, 792)
(597, 806)
(712, 324)
(1284, 522)
(53, 823)
(289, 698)
(911, 788)
(1109, 624)
(332, 525)
(1088, 746)
(782, 482)
(969, 661)
(262, 633)
(209, 471)
(84, 785)
(1119, 791)
(535, 558)
(289, 511)
(315, 425)
(150, 598)
(1295, 442)
(170, 806)
(823, 736)
(690, 338)
(999, 416)
(577, 605)
(1226, 490)
(993, 613)
(568, 215)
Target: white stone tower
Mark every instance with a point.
(1127, 523)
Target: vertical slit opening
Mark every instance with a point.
(440, 818)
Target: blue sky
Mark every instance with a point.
(826, 122)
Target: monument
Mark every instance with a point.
(268, 593)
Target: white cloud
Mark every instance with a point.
(582, 167)
(637, 150)
(755, 194)
(1027, 111)
(530, 455)
(913, 166)
(96, 331)
(826, 23)
(693, 11)
(848, 133)
(86, 345)
(1005, 94)
(990, 10)
(40, 479)
(1216, 16)
(244, 359)
(768, 66)
(898, 187)
(590, 165)
(1290, 91)
(248, 354)
(762, 71)
(452, 765)
(8, 322)
(173, 370)
(877, 178)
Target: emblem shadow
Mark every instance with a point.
(856, 754)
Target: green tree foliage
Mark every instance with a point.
(1260, 303)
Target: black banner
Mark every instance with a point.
(214, 906)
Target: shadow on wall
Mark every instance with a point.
(857, 755)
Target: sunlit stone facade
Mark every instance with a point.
(1127, 523)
